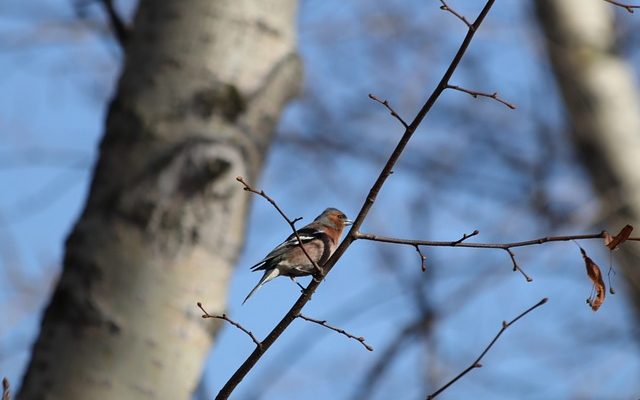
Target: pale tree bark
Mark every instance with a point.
(603, 107)
(202, 88)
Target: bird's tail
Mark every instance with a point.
(268, 275)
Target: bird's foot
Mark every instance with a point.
(297, 283)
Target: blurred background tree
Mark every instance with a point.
(474, 164)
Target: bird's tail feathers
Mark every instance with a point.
(261, 265)
(268, 275)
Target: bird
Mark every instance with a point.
(319, 238)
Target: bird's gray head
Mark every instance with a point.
(334, 218)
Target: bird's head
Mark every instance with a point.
(334, 218)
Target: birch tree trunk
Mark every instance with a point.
(202, 88)
(603, 105)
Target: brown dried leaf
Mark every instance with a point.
(6, 393)
(594, 273)
(618, 239)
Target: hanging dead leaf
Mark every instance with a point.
(621, 237)
(594, 273)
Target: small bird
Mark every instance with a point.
(319, 238)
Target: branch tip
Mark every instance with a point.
(475, 94)
(224, 317)
(393, 112)
(341, 331)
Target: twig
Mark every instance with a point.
(466, 236)
(291, 223)
(445, 7)
(423, 259)
(476, 363)
(516, 267)
(628, 7)
(6, 389)
(119, 28)
(339, 330)
(275, 333)
(475, 94)
(391, 110)
(232, 322)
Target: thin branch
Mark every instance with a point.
(466, 236)
(516, 267)
(275, 333)
(391, 110)
(423, 259)
(291, 223)
(232, 322)
(445, 7)
(476, 363)
(475, 94)
(628, 7)
(339, 330)
(504, 246)
(119, 28)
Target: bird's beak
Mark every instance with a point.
(348, 222)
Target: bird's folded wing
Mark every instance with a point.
(306, 235)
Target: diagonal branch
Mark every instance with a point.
(339, 330)
(476, 363)
(445, 7)
(232, 322)
(120, 30)
(516, 267)
(253, 358)
(391, 110)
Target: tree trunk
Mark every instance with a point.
(603, 106)
(202, 88)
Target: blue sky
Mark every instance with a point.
(58, 74)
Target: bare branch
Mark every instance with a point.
(232, 322)
(339, 330)
(466, 236)
(516, 267)
(628, 7)
(423, 259)
(275, 333)
(120, 30)
(445, 7)
(433, 243)
(391, 110)
(503, 246)
(476, 94)
(476, 363)
(291, 223)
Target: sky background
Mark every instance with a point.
(59, 67)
